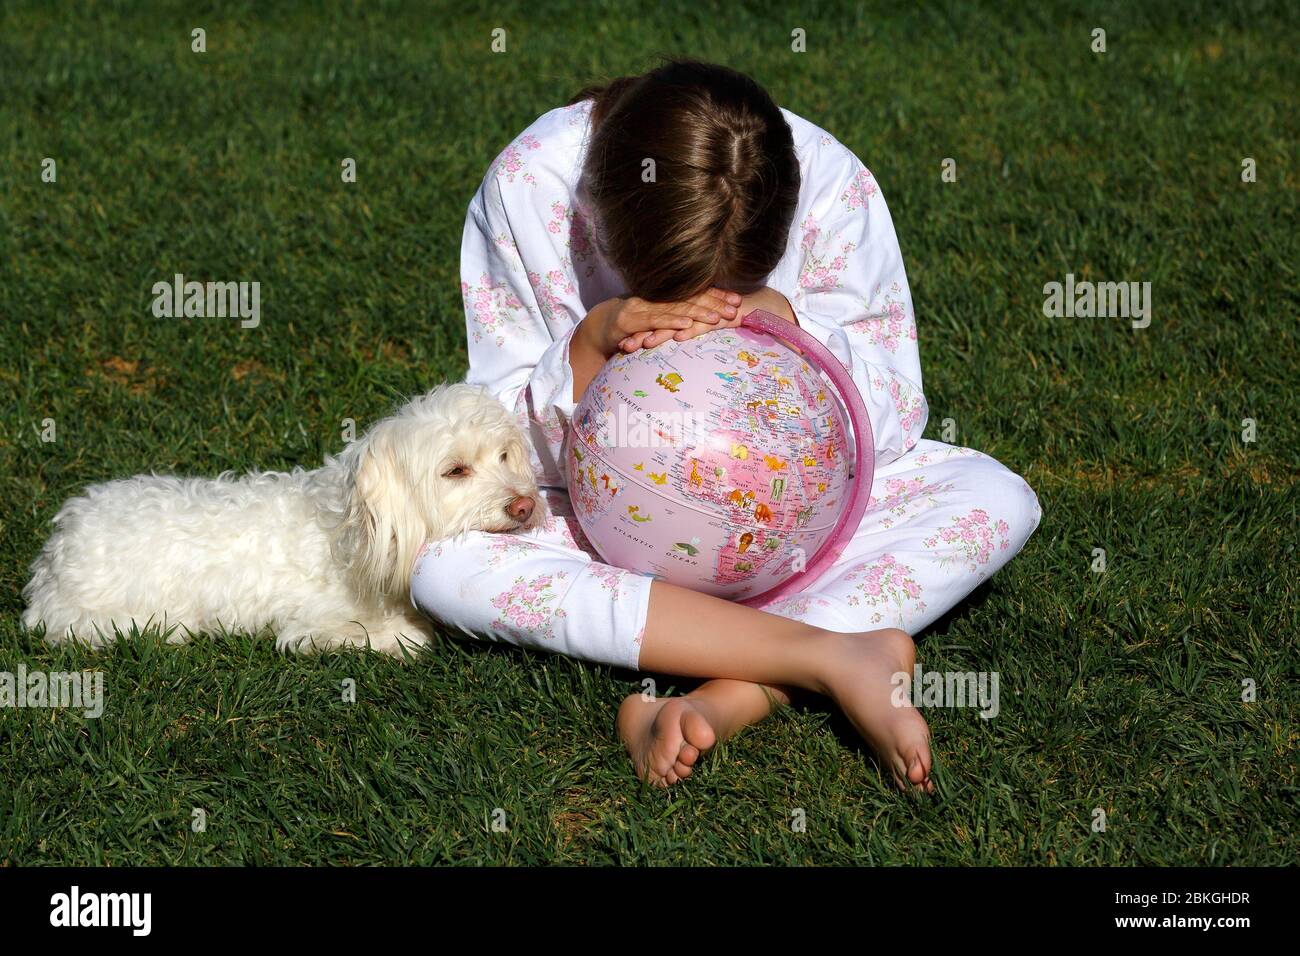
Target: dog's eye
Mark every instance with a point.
(503, 456)
(460, 471)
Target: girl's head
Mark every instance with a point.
(715, 206)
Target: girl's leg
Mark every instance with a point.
(543, 590)
(696, 635)
(666, 736)
(540, 589)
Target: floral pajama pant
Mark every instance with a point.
(941, 520)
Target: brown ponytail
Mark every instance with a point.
(725, 179)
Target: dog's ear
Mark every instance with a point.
(383, 532)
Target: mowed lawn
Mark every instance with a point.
(1121, 691)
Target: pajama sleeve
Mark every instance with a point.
(521, 310)
(852, 294)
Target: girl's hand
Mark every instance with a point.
(618, 321)
(767, 299)
(610, 323)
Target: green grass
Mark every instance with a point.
(1120, 690)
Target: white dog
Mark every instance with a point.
(321, 557)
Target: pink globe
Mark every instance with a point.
(726, 464)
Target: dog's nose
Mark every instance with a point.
(521, 509)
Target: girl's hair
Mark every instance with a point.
(718, 207)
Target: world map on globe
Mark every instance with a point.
(720, 463)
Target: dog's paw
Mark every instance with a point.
(398, 637)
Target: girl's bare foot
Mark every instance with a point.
(664, 736)
(697, 635)
(863, 684)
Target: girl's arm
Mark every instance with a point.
(586, 356)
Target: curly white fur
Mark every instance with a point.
(321, 557)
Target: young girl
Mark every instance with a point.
(662, 206)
